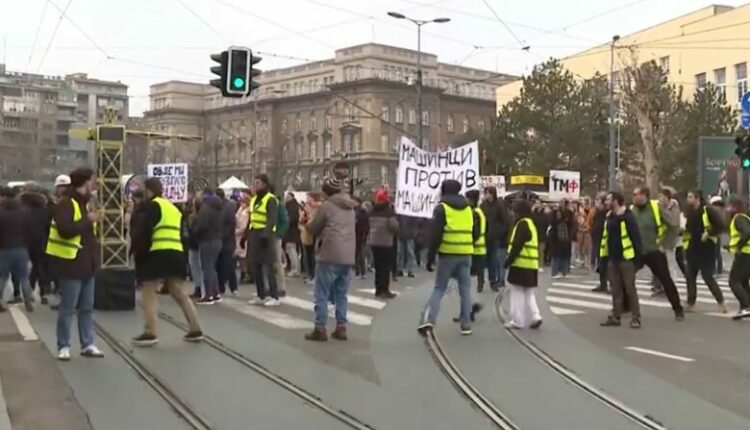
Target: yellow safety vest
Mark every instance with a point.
(480, 247)
(458, 236)
(686, 236)
(258, 216)
(528, 258)
(60, 247)
(628, 252)
(734, 237)
(166, 235)
(661, 228)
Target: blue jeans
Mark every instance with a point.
(560, 265)
(15, 262)
(331, 280)
(75, 295)
(449, 267)
(194, 259)
(209, 254)
(406, 254)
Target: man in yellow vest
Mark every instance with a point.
(73, 252)
(739, 246)
(621, 245)
(453, 236)
(699, 240)
(161, 262)
(262, 241)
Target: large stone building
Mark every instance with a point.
(304, 119)
(693, 49)
(36, 113)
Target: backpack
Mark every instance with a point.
(282, 220)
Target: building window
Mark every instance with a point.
(425, 143)
(347, 143)
(356, 142)
(740, 72)
(283, 126)
(412, 116)
(700, 81)
(384, 143)
(466, 125)
(664, 64)
(720, 80)
(313, 121)
(384, 175)
(327, 148)
(385, 114)
(480, 126)
(426, 118)
(298, 124)
(399, 115)
(299, 150)
(450, 125)
(313, 149)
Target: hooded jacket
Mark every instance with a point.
(209, 223)
(334, 227)
(498, 222)
(383, 225)
(438, 223)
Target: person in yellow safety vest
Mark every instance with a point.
(453, 236)
(73, 261)
(701, 235)
(523, 270)
(261, 241)
(739, 246)
(622, 246)
(162, 262)
(654, 220)
(479, 258)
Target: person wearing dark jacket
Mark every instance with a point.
(523, 269)
(73, 252)
(362, 231)
(226, 266)
(479, 258)
(453, 235)
(193, 245)
(541, 219)
(292, 239)
(407, 233)
(37, 208)
(159, 248)
(621, 244)
(384, 225)
(207, 230)
(597, 233)
(261, 241)
(498, 225)
(739, 246)
(561, 233)
(702, 232)
(15, 231)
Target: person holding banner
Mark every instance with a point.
(453, 236)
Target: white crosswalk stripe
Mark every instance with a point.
(703, 295)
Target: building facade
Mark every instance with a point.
(36, 113)
(703, 46)
(304, 119)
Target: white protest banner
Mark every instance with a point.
(421, 172)
(494, 181)
(174, 178)
(564, 184)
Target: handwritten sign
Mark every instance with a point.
(564, 184)
(174, 178)
(421, 173)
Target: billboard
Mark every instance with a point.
(718, 166)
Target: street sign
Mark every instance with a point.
(341, 170)
(745, 103)
(745, 120)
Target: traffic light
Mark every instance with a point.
(254, 73)
(220, 70)
(237, 76)
(743, 151)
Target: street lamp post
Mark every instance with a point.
(612, 141)
(419, 23)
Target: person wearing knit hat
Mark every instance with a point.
(332, 186)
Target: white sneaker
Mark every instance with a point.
(557, 276)
(256, 302)
(92, 351)
(271, 302)
(512, 325)
(64, 353)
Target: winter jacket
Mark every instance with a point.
(241, 223)
(39, 216)
(408, 225)
(614, 236)
(647, 225)
(528, 278)
(229, 222)
(597, 226)
(673, 231)
(209, 223)
(438, 223)
(541, 221)
(86, 264)
(15, 225)
(362, 226)
(293, 234)
(561, 231)
(498, 222)
(697, 247)
(334, 227)
(383, 225)
(152, 265)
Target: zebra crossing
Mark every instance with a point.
(567, 297)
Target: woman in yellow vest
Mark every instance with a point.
(161, 262)
(523, 269)
(739, 246)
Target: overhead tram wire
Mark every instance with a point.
(601, 14)
(36, 35)
(203, 21)
(54, 32)
(504, 24)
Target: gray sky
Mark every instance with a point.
(149, 41)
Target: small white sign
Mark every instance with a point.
(564, 184)
(497, 181)
(174, 178)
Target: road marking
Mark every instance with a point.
(264, 314)
(580, 303)
(703, 295)
(599, 296)
(361, 301)
(660, 354)
(352, 317)
(565, 311)
(23, 324)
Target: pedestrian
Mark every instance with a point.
(193, 246)
(701, 235)
(739, 246)
(717, 204)
(384, 226)
(226, 265)
(241, 223)
(479, 257)
(498, 226)
(562, 229)
(597, 224)
(292, 238)
(453, 236)
(407, 233)
(208, 228)
(312, 203)
(362, 230)
(334, 227)
(621, 244)
(422, 242)
(541, 221)
(261, 241)
(280, 230)
(523, 269)
(36, 206)
(15, 232)
(73, 252)
(163, 264)
(584, 234)
(653, 222)
(671, 237)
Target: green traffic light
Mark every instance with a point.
(746, 163)
(238, 82)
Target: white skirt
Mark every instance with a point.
(522, 309)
